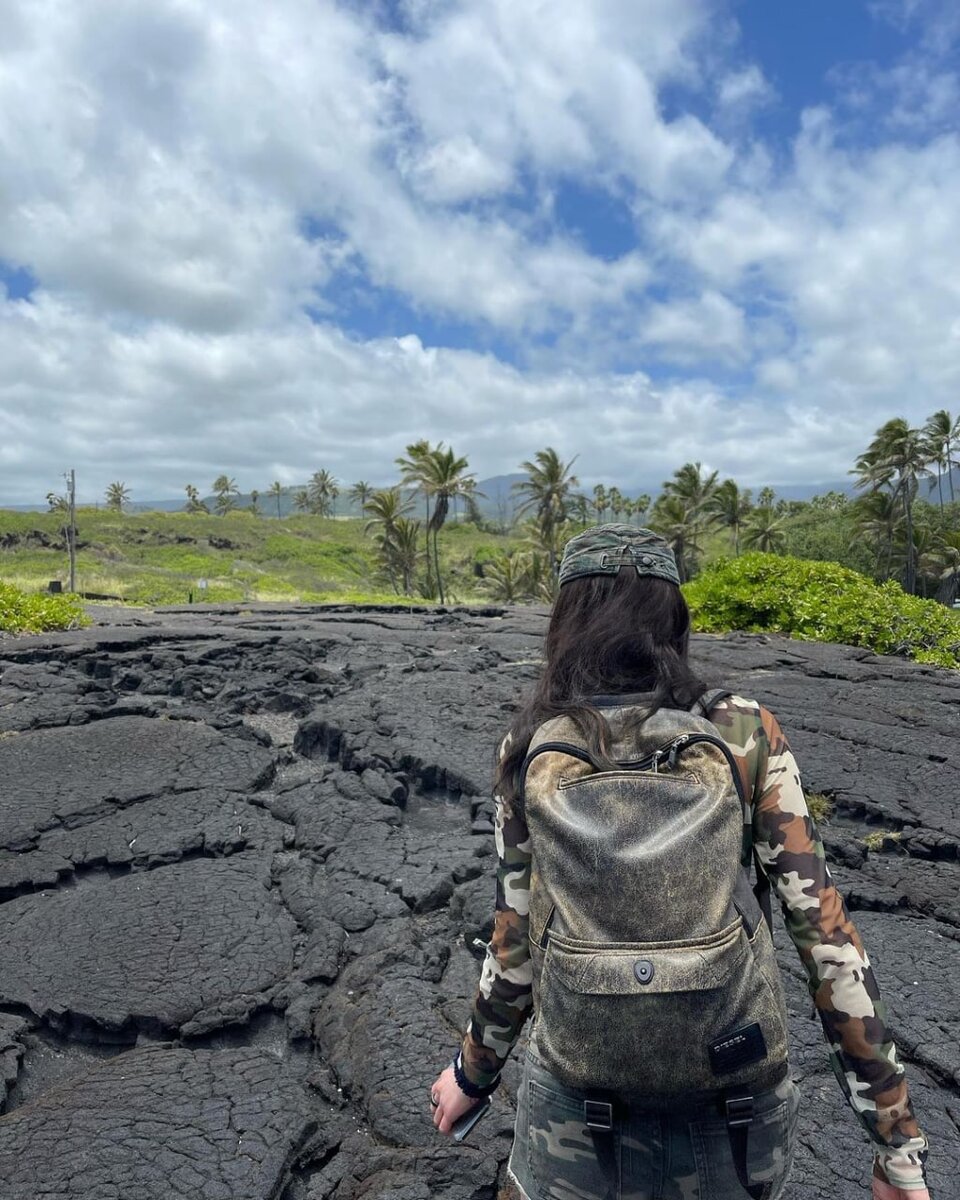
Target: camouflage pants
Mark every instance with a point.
(649, 1154)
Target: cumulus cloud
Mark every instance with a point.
(205, 191)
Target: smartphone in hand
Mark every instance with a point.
(461, 1128)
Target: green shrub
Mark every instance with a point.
(824, 602)
(22, 613)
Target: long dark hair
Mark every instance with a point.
(608, 635)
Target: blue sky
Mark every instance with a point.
(265, 240)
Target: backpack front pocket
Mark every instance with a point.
(642, 1016)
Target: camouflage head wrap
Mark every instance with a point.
(604, 549)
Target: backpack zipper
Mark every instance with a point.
(651, 762)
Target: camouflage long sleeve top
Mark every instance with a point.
(840, 978)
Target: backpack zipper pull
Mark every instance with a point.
(674, 752)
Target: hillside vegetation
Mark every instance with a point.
(160, 558)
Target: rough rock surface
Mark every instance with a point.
(245, 871)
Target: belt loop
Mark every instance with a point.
(598, 1115)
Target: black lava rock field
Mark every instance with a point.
(246, 870)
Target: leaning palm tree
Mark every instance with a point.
(548, 489)
(118, 494)
(276, 489)
(225, 489)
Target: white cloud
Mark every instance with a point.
(745, 88)
(161, 407)
(185, 178)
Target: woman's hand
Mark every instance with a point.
(450, 1103)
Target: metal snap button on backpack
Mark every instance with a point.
(643, 969)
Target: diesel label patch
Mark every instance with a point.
(737, 1049)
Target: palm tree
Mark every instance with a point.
(729, 505)
(681, 513)
(441, 475)
(674, 520)
(360, 493)
(255, 502)
(877, 522)
(194, 503)
(932, 555)
(640, 506)
(322, 491)
(118, 494)
(547, 490)
(949, 587)
(402, 551)
(385, 510)
(896, 459)
(301, 500)
(691, 486)
(615, 503)
(276, 489)
(941, 435)
(225, 489)
(765, 497)
(600, 501)
(580, 507)
(505, 578)
(764, 531)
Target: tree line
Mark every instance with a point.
(890, 530)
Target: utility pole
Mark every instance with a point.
(72, 531)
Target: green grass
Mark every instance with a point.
(159, 558)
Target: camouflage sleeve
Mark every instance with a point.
(840, 978)
(505, 995)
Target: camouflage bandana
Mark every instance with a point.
(604, 549)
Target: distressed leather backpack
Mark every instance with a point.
(653, 964)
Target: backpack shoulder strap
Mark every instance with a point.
(705, 704)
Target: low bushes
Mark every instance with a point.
(23, 613)
(824, 602)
